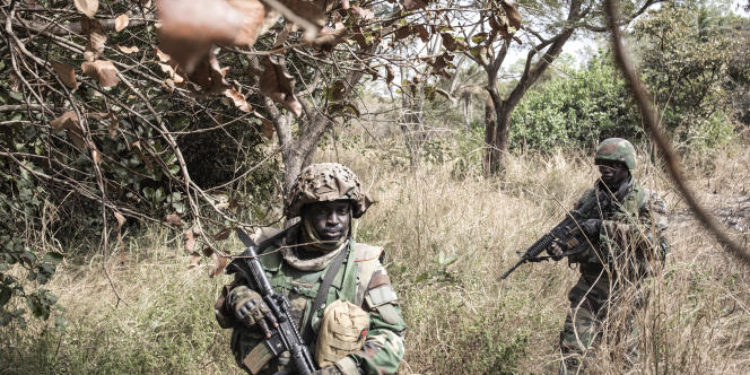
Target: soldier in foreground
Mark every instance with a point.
(622, 223)
(340, 297)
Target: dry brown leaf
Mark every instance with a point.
(266, 125)
(193, 260)
(189, 28)
(64, 121)
(121, 22)
(402, 33)
(414, 4)
(174, 218)
(101, 70)
(69, 121)
(66, 73)
(312, 11)
(366, 14)
(511, 10)
(210, 76)
(87, 7)
(189, 241)
(96, 38)
(220, 262)
(96, 155)
(126, 49)
(329, 37)
(278, 85)
(390, 75)
(163, 57)
(268, 128)
(421, 31)
(238, 99)
(255, 15)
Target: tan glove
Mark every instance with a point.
(249, 308)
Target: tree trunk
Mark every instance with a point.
(491, 154)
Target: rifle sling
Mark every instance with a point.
(333, 269)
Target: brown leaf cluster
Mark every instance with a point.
(66, 73)
(68, 121)
(278, 85)
(190, 28)
(87, 7)
(103, 71)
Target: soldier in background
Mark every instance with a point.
(625, 228)
(354, 326)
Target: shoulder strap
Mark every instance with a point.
(333, 269)
(368, 260)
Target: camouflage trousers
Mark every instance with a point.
(594, 301)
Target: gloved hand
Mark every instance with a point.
(555, 251)
(330, 370)
(249, 308)
(591, 227)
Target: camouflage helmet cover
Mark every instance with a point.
(326, 182)
(616, 149)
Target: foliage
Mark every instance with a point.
(26, 263)
(689, 58)
(576, 109)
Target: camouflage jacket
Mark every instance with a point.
(631, 236)
(361, 280)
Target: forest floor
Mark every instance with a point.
(448, 234)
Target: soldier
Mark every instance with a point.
(625, 228)
(353, 326)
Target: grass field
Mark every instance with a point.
(447, 240)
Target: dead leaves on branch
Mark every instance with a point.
(70, 122)
(96, 38)
(277, 84)
(121, 22)
(103, 71)
(87, 7)
(66, 73)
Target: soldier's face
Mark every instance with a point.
(613, 173)
(330, 219)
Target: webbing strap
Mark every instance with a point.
(333, 269)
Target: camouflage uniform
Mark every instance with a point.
(361, 280)
(630, 247)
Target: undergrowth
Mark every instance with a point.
(448, 238)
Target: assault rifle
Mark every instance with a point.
(282, 335)
(567, 234)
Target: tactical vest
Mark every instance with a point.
(354, 277)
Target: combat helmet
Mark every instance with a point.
(326, 182)
(616, 149)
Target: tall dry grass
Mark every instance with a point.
(448, 239)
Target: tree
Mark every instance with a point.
(693, 62)
(487, 38)
(136, 111)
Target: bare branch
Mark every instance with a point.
(651, 121)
